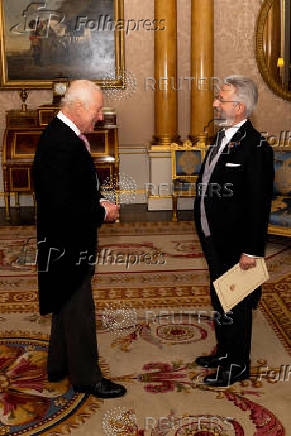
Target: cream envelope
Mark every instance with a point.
(236, 284)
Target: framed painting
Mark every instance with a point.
(43, 40)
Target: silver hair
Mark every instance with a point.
(80, 91)
(246, 91)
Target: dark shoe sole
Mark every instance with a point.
(101, 395)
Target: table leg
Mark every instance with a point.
(7, 205)
(175, 204)
(34, 205)
(117, 189)
(17, 204)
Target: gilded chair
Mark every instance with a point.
(186, 164)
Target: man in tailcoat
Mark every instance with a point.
(232, 206)
(69, 211)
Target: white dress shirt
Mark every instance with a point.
(68, 122)
(229, 133)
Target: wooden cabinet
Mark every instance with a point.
(21, 137)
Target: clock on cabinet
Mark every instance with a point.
(60, 85)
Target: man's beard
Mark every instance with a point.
(223, 120)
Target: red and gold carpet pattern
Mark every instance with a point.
(168, 323)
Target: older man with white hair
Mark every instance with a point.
(234, 192)
(70, 208)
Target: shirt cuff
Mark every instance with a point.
(104, 201)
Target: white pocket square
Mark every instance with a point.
(233, 165)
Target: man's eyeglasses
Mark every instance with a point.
(221, 100)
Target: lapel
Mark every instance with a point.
(206, 156)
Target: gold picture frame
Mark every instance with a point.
(36, 48)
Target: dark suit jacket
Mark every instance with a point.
(68, 214)
(238, 214)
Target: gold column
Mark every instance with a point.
(202, 66)
(166, 118)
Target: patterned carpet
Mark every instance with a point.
(153, 318)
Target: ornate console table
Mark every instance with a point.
(21, 136)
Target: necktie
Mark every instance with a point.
(85, 140)
(220, 137)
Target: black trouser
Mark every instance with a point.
(233, 332)
(73, 345)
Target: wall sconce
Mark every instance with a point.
(280, 63)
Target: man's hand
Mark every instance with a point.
(112, 211)
(246, 262)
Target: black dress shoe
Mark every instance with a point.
(225, 377)
(212, 361)
(56, 377)
(103, 389)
